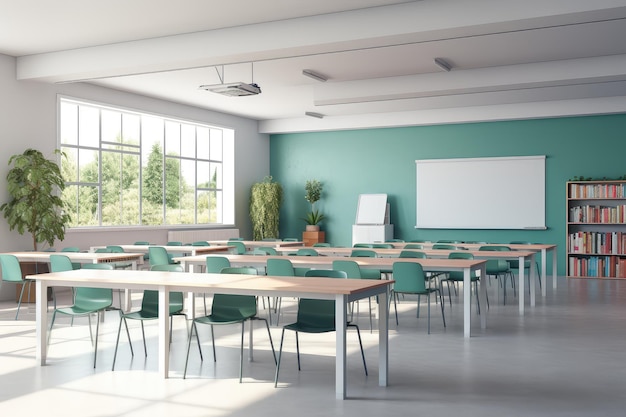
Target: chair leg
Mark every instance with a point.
(117, 340)
(54, 314)
(19, 302)
(298, 350)
(95, 351)
(395, 306)
(358, 333)
(241, 351)
(267, 326)
(280, 354)
(143, 335)
(428, 309)
(191, 331)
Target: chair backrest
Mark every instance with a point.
(496, 266)
(321, 245)
(158, 256)
(97, 266)
(150, 300)
(116, 249)
(60, 263)
(363, 253)
(362, 245)
(351, 268)
(394, 240)
(413, 246)
(443, 246)
(270, 239)
(103, 250)
(200, 243)
(306, 252)
(174, 243)
(316, 314)
(11, 270)
(382, 246)
(290, 239)
(412, 254)
(447, 241)
(265, 250)
(325, 273)
(70, 249)
(409, 277)
(280, 267)
(142, 242)
(458, 275)
(495, 247)
(240, 248)
(234, 307)
(235, 239)
(93, 298)
(215, 264)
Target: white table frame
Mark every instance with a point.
(341, 291)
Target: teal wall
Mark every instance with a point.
(349, 163)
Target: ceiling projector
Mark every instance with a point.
(233, 89)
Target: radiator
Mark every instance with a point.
(189, 236)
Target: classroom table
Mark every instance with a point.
(341, 291)
(543, 248)
(253, 244)
(325, 262)
(519, 255)
(186, 249)
(86, 257)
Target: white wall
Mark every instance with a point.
(28, 119)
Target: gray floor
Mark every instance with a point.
(565, 357)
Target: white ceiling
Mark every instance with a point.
(509, 59)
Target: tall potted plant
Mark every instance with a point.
(313, 192)
(35, 184)
(265, 200)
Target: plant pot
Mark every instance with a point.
(312, 228)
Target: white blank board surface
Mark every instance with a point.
(371, 209)
(481, 193)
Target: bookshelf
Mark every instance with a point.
(596, 229)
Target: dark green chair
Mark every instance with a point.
(409, 278)
(382, 246)
(444, 246)
(514, 264)
(150, 311)
(321, 245)
(119, 249)
(158, 256)
(362, 245)
(146, 257)
(12, 272)
(315, 316)
(87, 301)
(413, 246)
(499, 268)
(457, 276)
(229, 309)
(306, 252)
(265, 250)
(214, 265)
(353, 271)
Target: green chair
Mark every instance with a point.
(367, 253)
(514, 264)
(306, 252)
(239, 247)
(61, 263)
(174, 254)
(265, 250)
(499, 268)
(12, 272)
(413, 246)
(146, 257)
(409, 278)
(87, 301)
(382, 246)
(158, 256)
(353, 271)
(315, 316)
(229, 309)
(119, 249)
(106, 267)
(362, 245)
(200, 243)
(150, 311)
(214, 265)
(291, 239)
(395, 240)
(444, 246)
(281, 268)
(235, 239)
(457, 276)
(74, 249)
(321, 245)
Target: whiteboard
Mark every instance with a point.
(371, 209)
(481, 193)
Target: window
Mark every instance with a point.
(125, 168)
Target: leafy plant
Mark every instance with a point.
(265, 200)
(313, 193)
(34, 184)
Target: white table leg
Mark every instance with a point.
(483, 295)
(520, 290)
(191, 296)
(544, 270)
(554, 268)
(467, 315)
(383, 339)
(164, 333)
(533, 280)
(41, 324)
(341, 301)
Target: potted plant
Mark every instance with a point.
(313, 192)
(35, 184)
(265, 200)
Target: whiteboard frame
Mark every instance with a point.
(481, 193)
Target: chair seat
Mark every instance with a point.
(78, 311)
(217, 319)
(300, 327)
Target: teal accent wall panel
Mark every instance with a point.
(371, 161)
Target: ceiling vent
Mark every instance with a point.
(233, 89)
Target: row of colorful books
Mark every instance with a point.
(598, 214)
(598, 190)
(609, 243)
(597, 266)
